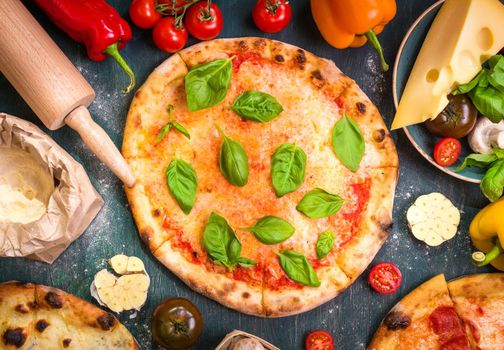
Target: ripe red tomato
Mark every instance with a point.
(204, 22)
(319, 340)
(385, 278)
(168, 37)
(272, 16)
(143, 13)
(447, 151)
(169, 5)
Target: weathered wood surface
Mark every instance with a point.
(352, 317)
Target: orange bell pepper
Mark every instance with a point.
(351, 23)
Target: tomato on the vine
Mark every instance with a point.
(167, 6)
(272, 16)
(319, 340)
(204, 20)
(143, 13)
(169, 36)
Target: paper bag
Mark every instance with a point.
(46, 198)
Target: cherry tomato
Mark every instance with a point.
(169, 5)
(447, 151)
(272, 16)
(319, 340)
(385, 278)
(176, 324)
(168, 37)
(204, 22)
(143, 13)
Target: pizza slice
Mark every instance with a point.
(424, 319)
(65, 321)
(17, 320)
(479, 301)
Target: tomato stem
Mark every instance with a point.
(272, 6)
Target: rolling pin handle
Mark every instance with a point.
(100, 143)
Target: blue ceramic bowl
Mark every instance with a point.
(418, 134)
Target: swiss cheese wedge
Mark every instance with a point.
(465, 33)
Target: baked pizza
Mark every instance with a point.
(464, 314)
(265, 176)
(34, 316)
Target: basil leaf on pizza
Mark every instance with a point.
(220, 242)
(319, 203)
(271, 230)
(183, 183)
(257, 106)
(166, 128)
(233, 161)
(325, 243)
(246, 262)
(348, 143)
(207, 84)
(298, 268)
(163, 132)
(180, 128)
(288, 167)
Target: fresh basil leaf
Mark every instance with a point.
(465, 88)
(477, 160)
(325, 243)
(163, 132)
(496, 73)
(183, 183)
(319, 203)
(245, 262)
(207, 84)
(348, 143)
(233, 161)
(496, 62)
(271, 230)
(166, 128)
(220, 242)
(257, 106)
(489, 102)
(288, 168)
(499, 152)
(181, 129)
(492, 184)
(298, 268)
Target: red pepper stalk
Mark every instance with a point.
(94, 23)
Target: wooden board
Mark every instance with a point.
(353, 317)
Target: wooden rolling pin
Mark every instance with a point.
(51, 85)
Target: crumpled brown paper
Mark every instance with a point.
(71, 207)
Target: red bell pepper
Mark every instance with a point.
(94, 23)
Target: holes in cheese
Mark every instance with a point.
(464, 34)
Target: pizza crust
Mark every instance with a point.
(235, 294)
(52, 319)
(356, 256)
(286, 302)
(160, 221)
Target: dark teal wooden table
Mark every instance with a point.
(353, 316)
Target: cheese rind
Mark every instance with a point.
(464, 34)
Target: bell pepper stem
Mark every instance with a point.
(481, 259)
(113, 52)
(373, 40)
